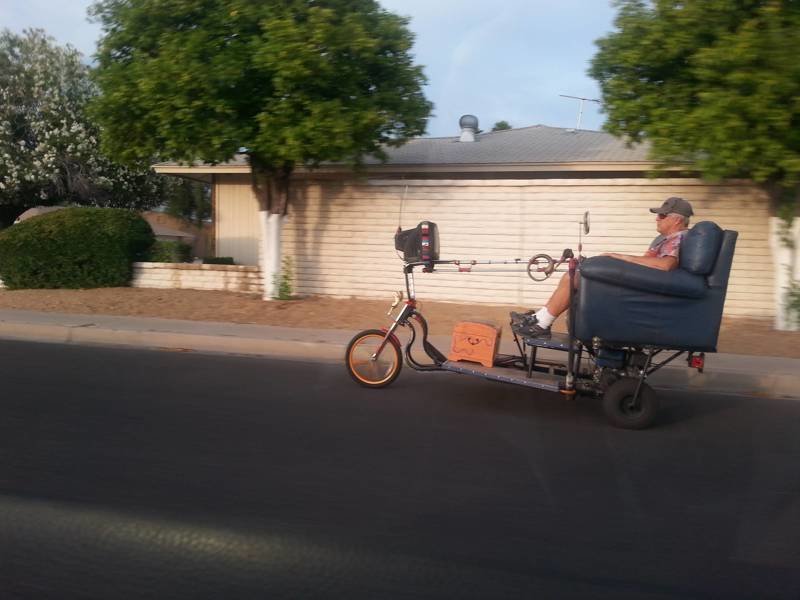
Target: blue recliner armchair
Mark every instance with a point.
(631, 305)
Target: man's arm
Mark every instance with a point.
(665, 263)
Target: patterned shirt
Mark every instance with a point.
(667, 245)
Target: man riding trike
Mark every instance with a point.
(625, 313)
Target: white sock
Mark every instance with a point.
(544, 318)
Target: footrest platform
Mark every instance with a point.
(541, 381)
(557, 341)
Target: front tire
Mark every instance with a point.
(380, 371)
(620, 408)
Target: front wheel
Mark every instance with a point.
(622, 410)
(368, 369)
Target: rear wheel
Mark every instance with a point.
(370, 370)
(622, 410)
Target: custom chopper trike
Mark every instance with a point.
(626, 322)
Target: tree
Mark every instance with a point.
(501, 126)
(713, 84)
(288, 82)
(49, 148)
(186, 199)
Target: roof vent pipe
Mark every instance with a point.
(469, 128)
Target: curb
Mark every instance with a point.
(176, 341)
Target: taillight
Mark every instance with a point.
(697, 361)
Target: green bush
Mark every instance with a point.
(283, 280)
(218, 260)
(74, 248)
(793, 301)
(170, 252)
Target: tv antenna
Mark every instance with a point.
(580, 109)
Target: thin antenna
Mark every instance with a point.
(580, 109)
(402, 202)
(400, 218)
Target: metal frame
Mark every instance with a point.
(574, 379)
(628, 363)
(409, 314)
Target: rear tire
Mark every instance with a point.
(623, 412)
(370, 373)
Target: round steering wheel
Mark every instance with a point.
(541, 266)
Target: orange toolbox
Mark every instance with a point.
(475, 341)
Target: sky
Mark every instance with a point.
(504, 60)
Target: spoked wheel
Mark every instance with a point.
(366, 368)
(626, 412)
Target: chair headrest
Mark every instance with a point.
(700, 247)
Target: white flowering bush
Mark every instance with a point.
(49, 147)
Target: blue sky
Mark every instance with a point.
(508, 59)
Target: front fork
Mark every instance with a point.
(403, 318)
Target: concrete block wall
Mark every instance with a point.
(228, 278)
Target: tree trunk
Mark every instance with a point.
(267, 275)
(271, 188)
(785, 244)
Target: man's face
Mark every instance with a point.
(666, 224)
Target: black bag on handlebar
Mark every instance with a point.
(420, 244)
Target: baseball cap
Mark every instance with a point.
(674, 205)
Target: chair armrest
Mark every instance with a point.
(614, 271)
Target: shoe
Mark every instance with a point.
(518, 326)
(532, 329)
(521, 317)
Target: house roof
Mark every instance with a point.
(160, 230)
(528, 148)
(527, 145)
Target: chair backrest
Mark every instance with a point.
(700, 248)
(718, 278)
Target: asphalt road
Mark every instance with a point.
(133, 474)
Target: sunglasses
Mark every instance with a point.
(660, 216)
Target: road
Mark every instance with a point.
(146, 474)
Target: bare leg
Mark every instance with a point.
(559, 301)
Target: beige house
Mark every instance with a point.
(501, 195)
